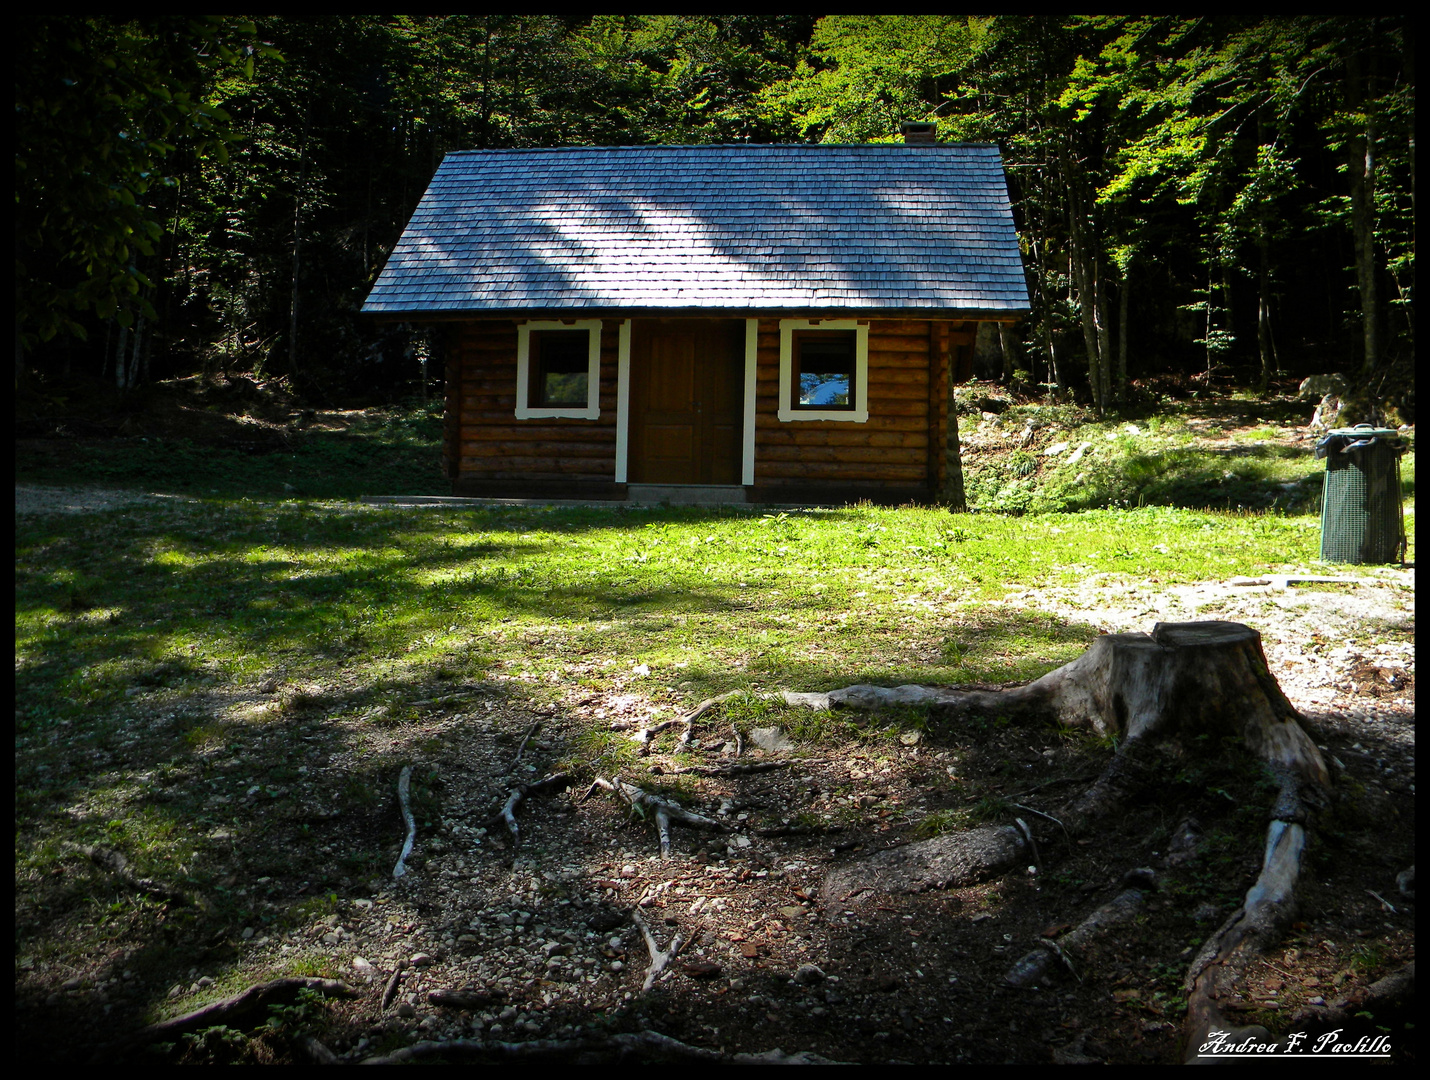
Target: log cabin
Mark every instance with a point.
(748, 323)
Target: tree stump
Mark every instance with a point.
(1182, 679)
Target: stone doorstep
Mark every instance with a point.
(636, 494)
(685, 494)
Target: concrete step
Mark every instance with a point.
(685, 494)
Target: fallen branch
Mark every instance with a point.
(230, 1012)
(507, 814)
(659, 958)
(635, 1048)
(663, 809)
(114, 863)
(404, 785)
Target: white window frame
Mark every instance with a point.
(858, 415)
(524, 410)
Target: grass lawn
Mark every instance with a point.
(676, 603)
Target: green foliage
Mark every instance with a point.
(101, 105)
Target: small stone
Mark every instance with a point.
(770, 738)
(808, 975)
(247, 933)
(72, 984)
(742, 841)
(360, 964)
(616, 965)
(204, 982)
(406, 1010)
(628, 870)
(421, 960)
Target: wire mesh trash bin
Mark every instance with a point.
(1362, 520)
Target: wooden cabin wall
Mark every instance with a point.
(901, 444)
(493, 450)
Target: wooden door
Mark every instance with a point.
(687, 401)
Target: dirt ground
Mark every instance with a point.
(549, 936)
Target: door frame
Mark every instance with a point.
(623, 402)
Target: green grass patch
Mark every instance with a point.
(356, 604)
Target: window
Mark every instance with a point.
(824, 370)
(558, 369)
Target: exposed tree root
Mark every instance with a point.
(317, 1053)
(739, 768)
(659, 958)
(114, 863)
(635, 1048)
(464, 999)
(393, 981)
(507, 814)
(1395, 991)
(663, 810)
(232, 1011)
(646, 735)
(521, 749)
(404, 788)
(1032, 968)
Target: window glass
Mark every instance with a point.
(560, 368)
(824, 370)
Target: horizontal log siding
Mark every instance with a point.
(892, 447)
(495, 446)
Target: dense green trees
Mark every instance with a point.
(1215, 194)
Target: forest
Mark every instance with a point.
(1220, 197)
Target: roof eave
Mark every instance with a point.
(1005, 315)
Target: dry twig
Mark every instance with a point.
(404, 786)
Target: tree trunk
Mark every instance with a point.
(121, 361)
(954, 494)
(1361, 168)
(297, 244)
(1123, 289)
(1084, 273)
(1263, 311)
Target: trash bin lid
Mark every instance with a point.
(1365, 431)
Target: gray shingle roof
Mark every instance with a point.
(705, 228)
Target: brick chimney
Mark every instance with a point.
(919, 134)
